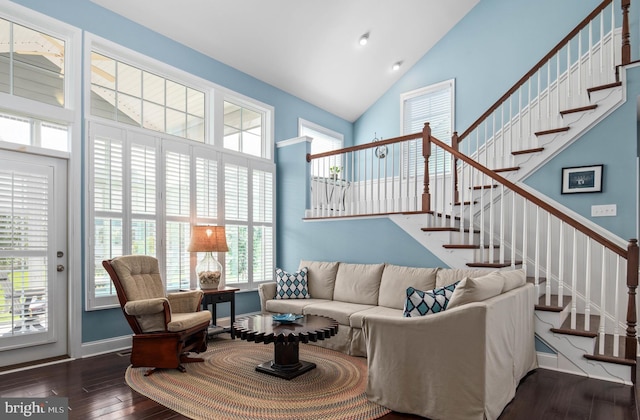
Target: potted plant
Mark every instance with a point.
(334, 171)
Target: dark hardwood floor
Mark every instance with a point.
(96, 389)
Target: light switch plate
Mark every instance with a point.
(604, 210)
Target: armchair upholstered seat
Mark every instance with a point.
(165, 327)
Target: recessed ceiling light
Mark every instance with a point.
(396, 66)
(364, 39)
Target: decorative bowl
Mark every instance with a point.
(286, 318)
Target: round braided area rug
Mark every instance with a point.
(227, 386)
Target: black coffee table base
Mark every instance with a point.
(286, 362)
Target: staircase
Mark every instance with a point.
(480, 215)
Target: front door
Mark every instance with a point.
(33, 255)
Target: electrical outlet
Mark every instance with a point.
(604, 210)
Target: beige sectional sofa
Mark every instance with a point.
(464, 362)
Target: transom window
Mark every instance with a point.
(127, 94)
(244, 129)
(32, 64)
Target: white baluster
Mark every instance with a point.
(557, 110)
(569, 98)
(574, 280)
(587, 295)
(501, 243)
(616, 306)
(590, 62)
(536, 274)
(525, 239)
(514, 244)
(549, 269)
(603, 289)
(560, 266)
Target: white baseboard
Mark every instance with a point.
(547, 360)
(109, 345)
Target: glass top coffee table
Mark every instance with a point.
(286, 337)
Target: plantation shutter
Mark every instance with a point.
(263, 258)
(25, 202)
(236, 210)
(143, 198)
(178, 230)
(435, 106)
(108, 197)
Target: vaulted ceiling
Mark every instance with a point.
(307, 48)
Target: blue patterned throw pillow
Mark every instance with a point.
(421, 303)
(292, 286)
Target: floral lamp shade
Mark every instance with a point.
(208, 239)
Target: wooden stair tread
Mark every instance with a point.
(552, 131)
(526, 151)
(554, 305)
(565, 328)
(513, 168)
(446, 229)
(492, 264)
(608, 356)
(603, 87)
(581, 109)
(467, 246)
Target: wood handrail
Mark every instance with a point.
(537, 67)
(532, 198)
(365, 146)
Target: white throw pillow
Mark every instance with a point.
(476, 289)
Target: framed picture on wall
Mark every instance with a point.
(582, 179)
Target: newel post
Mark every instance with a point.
(631, 344)
(626, 45)
(426, 153)
(454, 168)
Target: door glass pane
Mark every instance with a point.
(24, 240)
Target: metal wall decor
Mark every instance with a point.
(380, 151)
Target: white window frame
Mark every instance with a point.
(404, 97)
(213, 146)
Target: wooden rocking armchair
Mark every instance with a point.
(165, 327)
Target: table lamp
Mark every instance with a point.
(208, 239)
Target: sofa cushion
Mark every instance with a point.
(477, 289)
(292, 285)
(321, 278)
(420, 303)
(340, 311)
(358, 283)
(513, 279)
(396, 279)
(290, 306)
(446, 276)
(356, 318)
